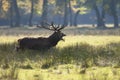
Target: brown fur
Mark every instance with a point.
(40, 43)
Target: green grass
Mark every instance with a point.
(80, 57)
(77, 51)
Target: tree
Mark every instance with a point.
(99, 10)
(102, 7)
(17, 14)
(31, 13)
(4, 6)
(11, 14)
(1, 6)
(44, 11)
(113, 10)
(14, 11)
(65, 8)
(32, 10)
(100, 16)
(78, 8)
(70, 12)
(75, 18)
(65, 13)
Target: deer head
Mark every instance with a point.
(57, 35)
(42, 43)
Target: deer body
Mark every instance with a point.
(40, 43)
(33, 43)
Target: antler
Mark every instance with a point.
(54, 27)
(57, 28)
(61, 27)
(43, 26)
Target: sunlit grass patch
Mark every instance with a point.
(7, 39)
(101, 73)
(72, 59)
(64, 72)
(70, 40)
(92, 40)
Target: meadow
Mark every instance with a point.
(86, 54)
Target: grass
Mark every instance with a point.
(70, 40)
(80, 57)
(93, 73)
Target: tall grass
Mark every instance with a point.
(77, 53)
(85, 51)
(80, 54)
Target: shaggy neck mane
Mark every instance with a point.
(54, 38)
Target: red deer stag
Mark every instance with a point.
(42, 43)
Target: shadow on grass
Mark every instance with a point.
(80, 53)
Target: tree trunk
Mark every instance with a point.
(65, 14)
(100, 18)
(11, 14)
(44, 11)
(1, 6)
(113, 9)
(103, 14)
(31, 14)
(75, 18)
(103, 19)
(97, 15)
(17, 14)
(70, 13)
(116, 25)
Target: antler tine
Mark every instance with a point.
(42, 26)
(54, 27)
(47, 23)
(59, 28)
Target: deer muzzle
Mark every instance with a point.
(63, 38)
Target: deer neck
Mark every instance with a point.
(54, 39)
